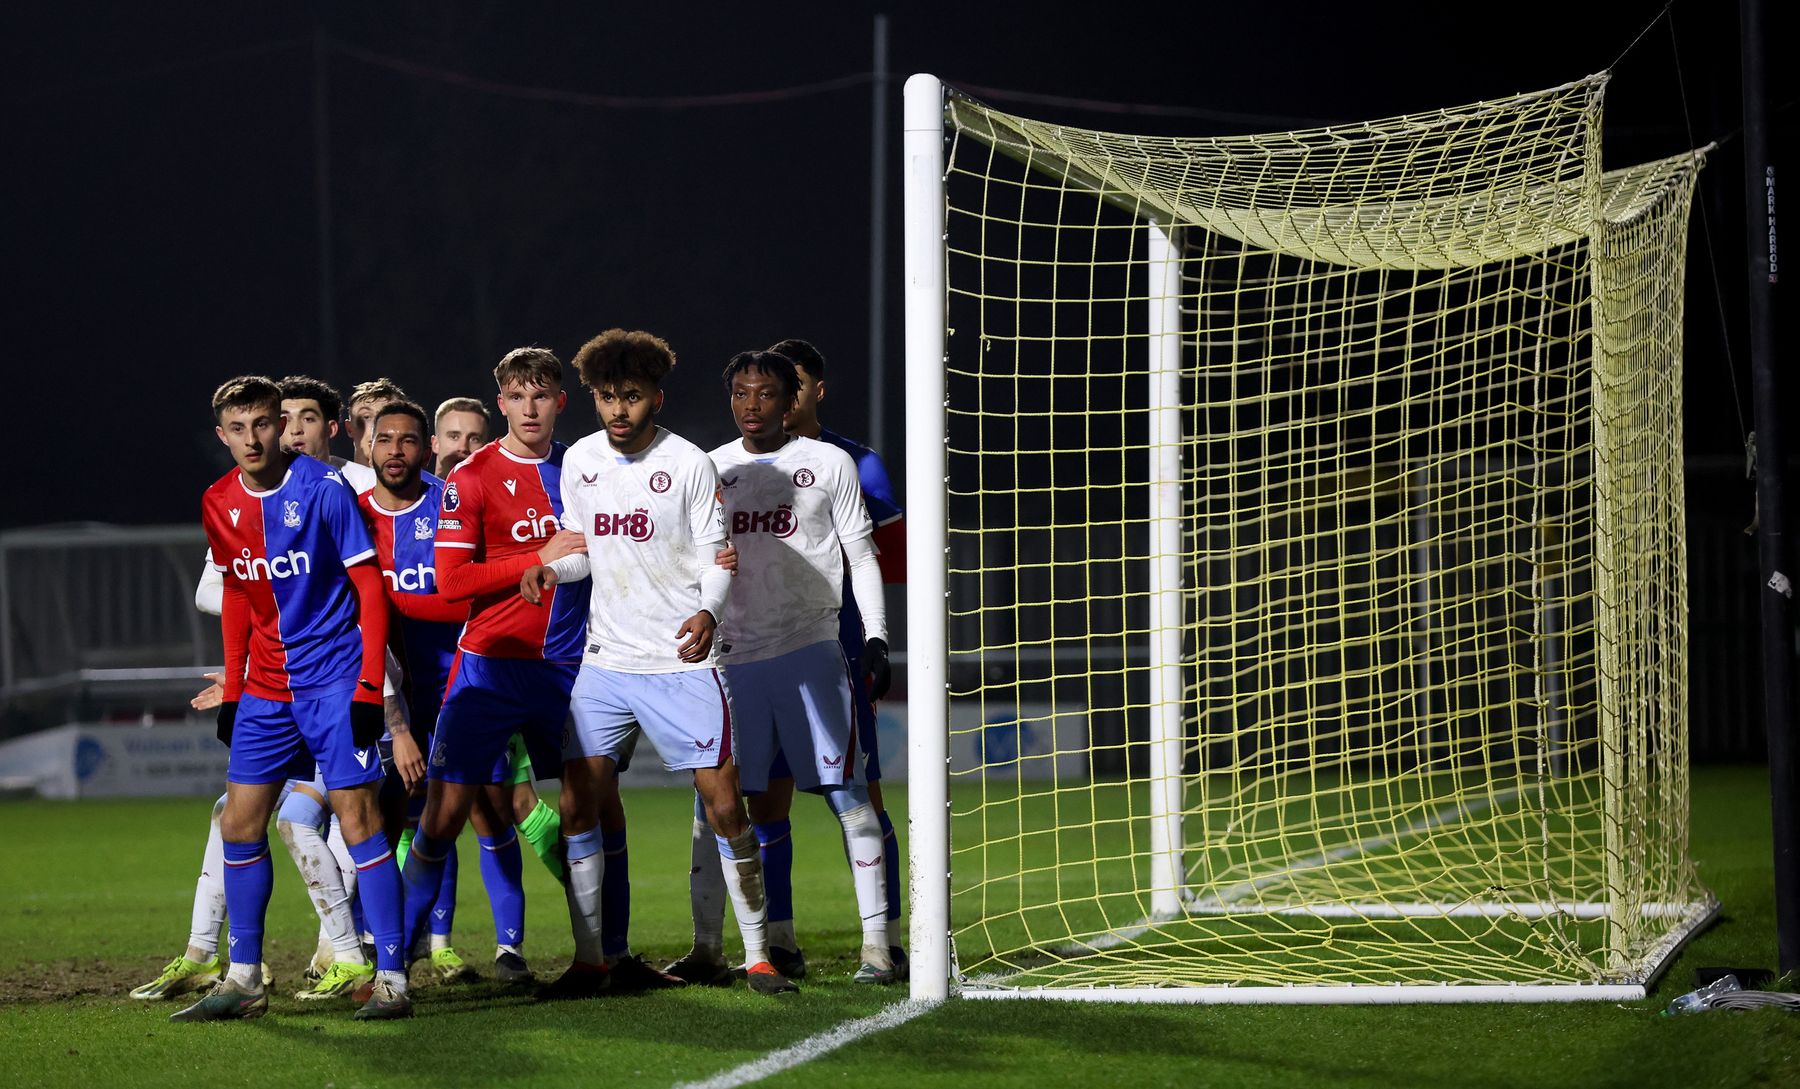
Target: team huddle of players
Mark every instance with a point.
(404, 651)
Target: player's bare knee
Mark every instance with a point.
(358, 812)
(524, 801)
(767, 807)
(612, 807)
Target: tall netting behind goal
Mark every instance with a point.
(1313, 591)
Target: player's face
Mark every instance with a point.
(458, 436)
(400, 451)
(309, 431)
(758, 404)
(253, 435)
(803, 418)
(628, 412)
(362, 413)
(531, 411)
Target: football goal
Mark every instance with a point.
(1297, 604)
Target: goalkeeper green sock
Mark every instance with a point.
(403, 846)
(542, 828)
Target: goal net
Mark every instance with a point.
(1313, 584)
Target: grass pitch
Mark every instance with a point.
(97, 900)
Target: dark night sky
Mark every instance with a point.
(161, 226)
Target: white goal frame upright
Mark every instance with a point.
(928, 543)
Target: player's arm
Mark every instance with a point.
(432, 608)
(706, 514)
(884, 511)
(234, 629)
(463, 572)
(209, 598)
(571, 567)
(356, 551)
(409, 760)
(855, 530)
(209, 595)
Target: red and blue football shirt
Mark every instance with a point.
(287, 550)
(498, 510)
(405, 543)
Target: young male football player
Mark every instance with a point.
(401, 511)
(647, 503)
(769, 810)
(499, 515)
(460, 428)
(794, 509)
(304, 621)
(365, 400)
(310, 410)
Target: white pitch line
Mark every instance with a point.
(813, 1046)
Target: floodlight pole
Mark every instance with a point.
(878, 181)
(1773, 553)
(321, 118)
(927, 543)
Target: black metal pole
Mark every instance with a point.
(322, 204)
(1777, 590)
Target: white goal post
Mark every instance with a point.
(1297, 592)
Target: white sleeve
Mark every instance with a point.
(849, 514)
(706, 518)
(572, 568)
(392, 677)
(865, 586)
(209, 596)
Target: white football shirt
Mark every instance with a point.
(789, 514)
(653, 525)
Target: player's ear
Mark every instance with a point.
(331, 429)
(656, 405)
(220, 431)
(562, 399)
(434, 448)
(819, 391)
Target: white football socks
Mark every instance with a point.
(706, 887)
(863, 846)
(347, 874)
(740, 860)
(587, 866)
(209, 893)
(325, 885)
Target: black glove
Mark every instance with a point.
(876, 669)
(368, 721)
(227, 720)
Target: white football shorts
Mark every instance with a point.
(797, 704)
(686, 715)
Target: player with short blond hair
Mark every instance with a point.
(366, 398)
(459, 428)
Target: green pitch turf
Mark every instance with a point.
(97, 893)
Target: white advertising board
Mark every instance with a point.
(91, 761)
